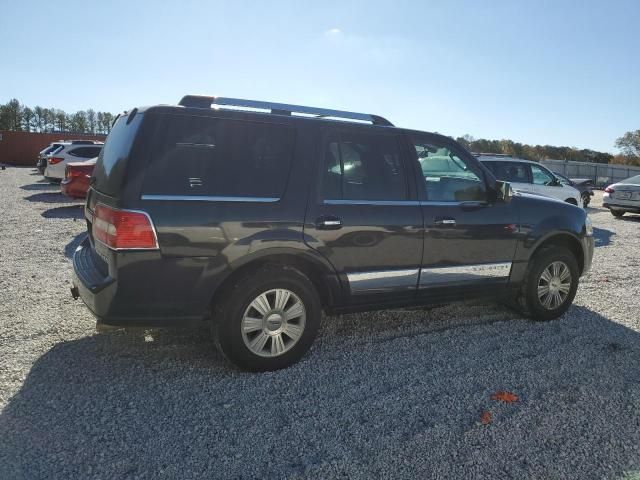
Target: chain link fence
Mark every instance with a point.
(602, 174)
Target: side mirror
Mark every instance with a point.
(503, 191)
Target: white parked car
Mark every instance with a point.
(623, 197)
(73, 151)
(530, 177)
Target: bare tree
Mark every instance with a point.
(629, 143)
(91, 121)
(27, 119)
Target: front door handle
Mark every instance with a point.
(445, 221)
(328, 222)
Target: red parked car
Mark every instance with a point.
(76, 178)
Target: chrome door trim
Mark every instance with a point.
(208, 198)
(463, 273)
(382, 280)
(372, 202)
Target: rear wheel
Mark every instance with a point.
(572, 201)
(550, 284)
(617, 213)
(267, 320)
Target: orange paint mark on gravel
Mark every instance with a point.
(506, 397)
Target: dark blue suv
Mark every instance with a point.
(256, 217)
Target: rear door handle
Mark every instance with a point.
(328, 222)
(445, 221)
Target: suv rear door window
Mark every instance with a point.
(218, 157)
(363, 166)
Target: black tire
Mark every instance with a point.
(572, 201)
(586, 199)
(229, 313)
(617, 213)
(528, 301)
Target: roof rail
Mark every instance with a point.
(202, 101)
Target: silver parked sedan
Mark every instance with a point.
(623, 197)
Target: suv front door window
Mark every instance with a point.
(448, 178)
(468, 239)
(541, 176)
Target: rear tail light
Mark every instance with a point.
(124, 229)
(54, 160)
(609, 190)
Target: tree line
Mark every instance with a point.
(533, 152)
(629, 144)
(21, 118)
(14, 116)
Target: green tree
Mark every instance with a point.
(11, 115)
(60, 120)
(79, 122)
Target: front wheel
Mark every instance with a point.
(550, 283)
(617, 213)
(267, 320)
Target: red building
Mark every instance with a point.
(22, 148)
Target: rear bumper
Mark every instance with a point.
(621, 206)
(75, 187)
(55, 171)
(107, 300)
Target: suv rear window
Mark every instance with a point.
(112, 160)
(86, 152)
(218, 157)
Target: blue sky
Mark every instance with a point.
(547, 72)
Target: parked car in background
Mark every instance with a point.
(623, 197)
(72, 151)
(41, 162)
(76, 178)
(253, 223)
(531, 177)
(583, 185)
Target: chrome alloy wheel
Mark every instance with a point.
(554, 285)
(273, 322)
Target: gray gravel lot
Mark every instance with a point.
(390, 394)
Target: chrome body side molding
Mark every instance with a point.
(208, 198)
(381, 281)
(463, 273)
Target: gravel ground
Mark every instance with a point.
(391, 394)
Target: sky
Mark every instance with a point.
(539, 72)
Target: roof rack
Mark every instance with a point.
(202, 101)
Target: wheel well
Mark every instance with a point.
(572, 201)
(312, 272)
(568, 242)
